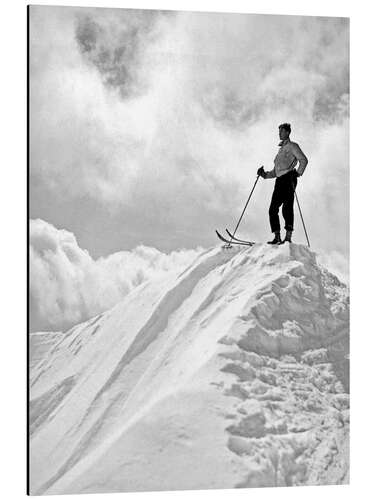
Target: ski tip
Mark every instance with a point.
(234, 239)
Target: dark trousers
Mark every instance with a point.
(283, 194)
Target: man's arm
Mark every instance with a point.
(301, 157)
(270, 174)
(266, 175)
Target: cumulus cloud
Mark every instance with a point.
(162, 120)
(68, 286)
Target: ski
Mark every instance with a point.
(238, 239)
(246, 244)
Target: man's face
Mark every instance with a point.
(283, 134)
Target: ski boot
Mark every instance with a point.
(276, 240)
(288, 237)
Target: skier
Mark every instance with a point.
(286, 181)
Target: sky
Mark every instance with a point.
(147, 129)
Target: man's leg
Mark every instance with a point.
(273, 213)
(288, 208)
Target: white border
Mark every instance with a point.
(13, 241)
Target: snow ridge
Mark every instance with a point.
(239, 363)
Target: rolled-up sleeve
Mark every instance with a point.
(301, 157)
(270, 174)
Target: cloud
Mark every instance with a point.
(67, 286)
(162, 120)
(115, 43)
(256, 64)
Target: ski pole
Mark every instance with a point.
(300, 212)
(303, 222)
(243, 211)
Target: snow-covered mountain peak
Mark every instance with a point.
(239, 362)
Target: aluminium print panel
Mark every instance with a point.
(160, 356)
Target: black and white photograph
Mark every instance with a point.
(188, 257)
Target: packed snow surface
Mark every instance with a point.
(233, 373)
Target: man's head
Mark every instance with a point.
(284, 131)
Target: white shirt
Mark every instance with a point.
(286, 159)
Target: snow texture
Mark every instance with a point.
(233, 373)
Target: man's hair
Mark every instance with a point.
(286, 126)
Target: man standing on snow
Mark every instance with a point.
(286, 181)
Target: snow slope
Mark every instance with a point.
(40, 344)
(233, 373)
